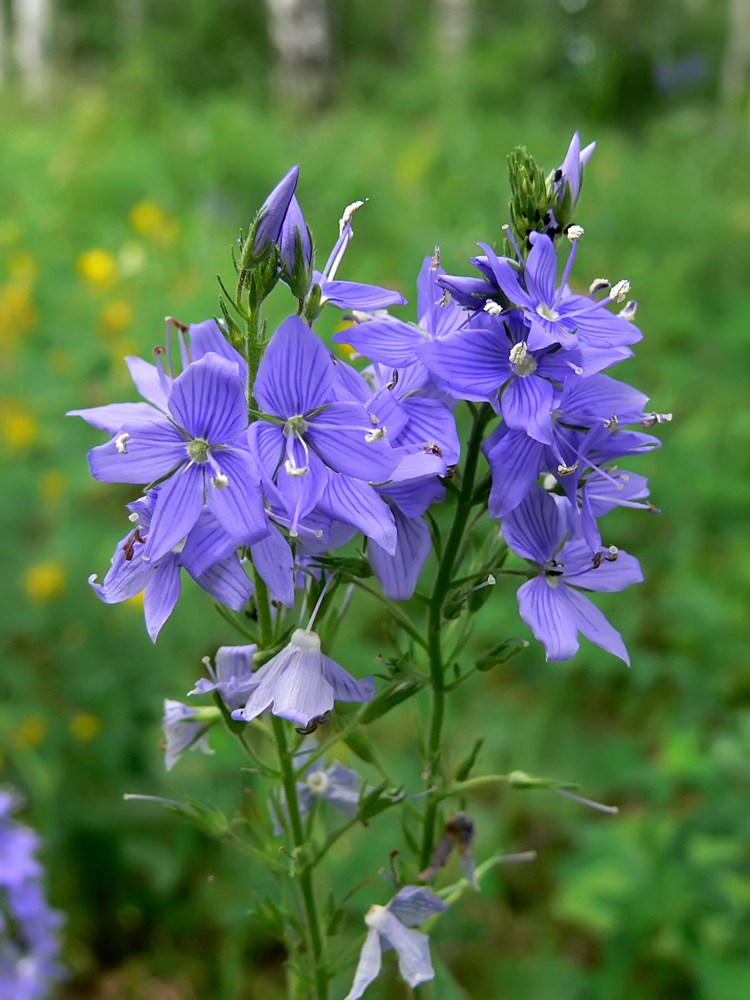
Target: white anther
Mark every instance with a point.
(612, 553)
(375, 435)
(374, 420)
(518, 353)
(613, 421)
(445, 298)
(120, 442)
(628, 310)
(435, 260)
(134, 517)
(491, 580)
(319, 533)
(493, 308)
(348, 213)
(295, 470)
(565, 470)
(549, 482)
(575, 233)
(598, 285)
(179, 546)
(620, 290)
(220, 482)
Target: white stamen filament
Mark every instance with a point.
(120, 442)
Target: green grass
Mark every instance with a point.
(649, 904)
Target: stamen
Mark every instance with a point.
(565, 470)
(523, 362)
(656, 418)
(612, 423)
(120, 442)
(612, 553)
(375, 435)
(512, 241)
(574, 233)
(492, 307)
(547, 312)
(220, 482)
(292, 469)
(348, 213)
(445, 298)
(628, 311)
(620, 291)
(586, 802)
(599, 285)
(568, 267)
(134, 517)
(435, 260)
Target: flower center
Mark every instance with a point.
(295, 426)
(523, 363)
(199, 450)
(547, 312)
(309, 641)
(318, 782)
(553, 571)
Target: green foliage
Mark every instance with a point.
(651, 903)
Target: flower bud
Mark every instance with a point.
(296, 251)
(266, 228)
(501, 653)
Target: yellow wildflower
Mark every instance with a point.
(44, 581)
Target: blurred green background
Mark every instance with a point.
(130, 156)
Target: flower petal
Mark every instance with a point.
(208, 337)
(228, 582)
(398, 573)
(535, 528)
(527, 406)
(338, 435)
(208, 400)
(238, 506)
(370, 961)
(141, 453)
(473, 363)
(357, 503)
(541, 267)
(548, 615)
(345, 687)
(388, 340)
(358, 295)
(589, 619)
(273, 559)
(162, 592)
(412, 947)
(207, 544)
(152, 385)
(302, 692)
(296, 373)
(112, 416)
(178, 506)
(515, 460)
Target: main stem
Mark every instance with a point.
(295, 820)
(435, 618)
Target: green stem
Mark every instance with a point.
(393, 610)
(434, 624)
(289, 782)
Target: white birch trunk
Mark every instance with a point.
(31, 22)
(453, 28)
(301, 35)
(736, 62)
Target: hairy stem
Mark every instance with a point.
(443, 584)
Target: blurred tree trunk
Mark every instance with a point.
(31, 22)
(301, 34)
(736, 62)
(453, 28)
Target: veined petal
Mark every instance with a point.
(152, 385)
(207, 544)
(416, 903)
(338, 435)
(508, 277)
(207, 337)
(473, 363)
(600, 397)
(535, 528)
(541, 267)
(300, 493)
(273, 559)
(125, 577)
(398, 573)
(412, 947)
(358, 295)
(178, 506)
(389, 340)
(112, 416)
(370, 961)
(608, 576)
(345, 687)
(548, 615)
(238, 505)
(208, 400)
(515, 460)
(527, 406)
(431, 422)
(357, 503)
(414, 496)
(162, 592)
(228, 582)
(587, 618)
(140, 453)
(302, 692)
(296, 374)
